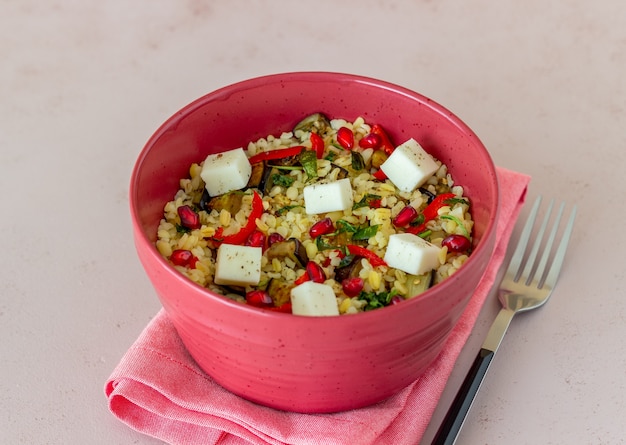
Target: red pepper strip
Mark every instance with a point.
(276, 154)
(243, 234)
(430, 212)
(374, 259)
(376, 203)
(380, 175)
(317, 144)
(386, 144)
(303, 278)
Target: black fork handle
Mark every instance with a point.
(453, 421)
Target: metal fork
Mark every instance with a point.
(527, 284)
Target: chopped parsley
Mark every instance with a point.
(182, 229)
(365, 233)
(331, 156)
(365, 201)
(453, 201)
(345, 226)
(283, 180)
(458, 222)
(286, 209)
(322, 244)
(377, 300)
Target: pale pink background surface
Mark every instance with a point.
(83, 84)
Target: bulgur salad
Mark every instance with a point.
(330, 218)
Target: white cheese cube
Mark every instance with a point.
(328, 197)
(411, 254)
(238, 265)
(225, 172)
(313, 299)
(409, 166)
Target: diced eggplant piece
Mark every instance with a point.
(267, 181)
(315, 123)
(258, 170)
(358, 163)
(308, 161)
(430, 195)
(417, 284)
(343, 173)
(204, 200)
(232, 289)
(350, 271)
(230, 201)
(279, 291)
(291, 248)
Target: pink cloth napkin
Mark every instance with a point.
(158, 389)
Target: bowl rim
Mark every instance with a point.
(316, 76)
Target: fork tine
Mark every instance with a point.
(548, 247)
(555, 268)
(515, 266)
(530, 262)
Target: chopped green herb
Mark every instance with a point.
(365, 233)
(458, 223)
(283, 180)
(453, 201)
(321, 244)
(425, 234)
(331, 156)
(182, 229)
(377, 300)
(418, 221)
(286, 209)
(365, 201)
(287, 167)
(345, 226)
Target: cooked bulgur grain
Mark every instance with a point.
(282, 219)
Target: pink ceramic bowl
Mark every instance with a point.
(309, 364)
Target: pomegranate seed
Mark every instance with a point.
(315, 272)
(259, 298)
(188, 218)
(456, 243)
(396, 299)
(285, 308)
(256, 239)
(345, 137)
(275, 238)
(321, 227)
(352, 286)
(405, 216)
(181, 257)
(371, 140)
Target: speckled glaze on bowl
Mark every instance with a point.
(309, 364)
